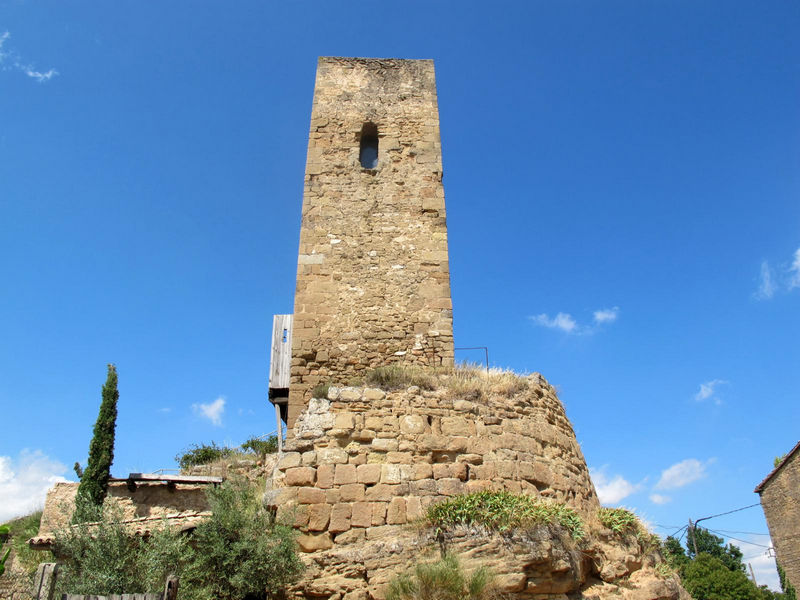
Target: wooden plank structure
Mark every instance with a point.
(280, 362)
(170, 480)
(45, 585)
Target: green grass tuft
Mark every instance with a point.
(618, 520)
(503, 511)
(396, 377)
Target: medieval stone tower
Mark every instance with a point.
(373, 283)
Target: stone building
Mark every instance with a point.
(373, 282)
(780, 499)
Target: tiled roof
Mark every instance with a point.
(144, 526)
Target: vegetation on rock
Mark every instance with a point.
(20, 531)
(503, 511)
(205, 454)
(442, 580)
(618, 520)
(94, 480)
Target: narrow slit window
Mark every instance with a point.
(368, 155)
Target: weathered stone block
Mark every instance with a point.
(368, 474)
(318, 516)
(396, 513)
(449, 487)
(344, 421)
(340, 518)
(345, 474)
(325, 476)
(312, 543)
(379, 513)
(310, 495)
(300, 476)
(289, 460)
(384, 444)
(352, 492)
(413, 424)
(331, 456)
(361, 514)
(414, 509)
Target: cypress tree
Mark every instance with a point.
(94, 481)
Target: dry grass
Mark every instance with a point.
(466, 381)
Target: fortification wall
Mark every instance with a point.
(362, 458)
(373, 282)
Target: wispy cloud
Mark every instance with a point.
(566, 323)
(606, 315)
(785, 277)
(211, 411)
(24, 482)
(611, 490)
(709, 390)
(766, 283)
(682, 474)
(11, 60)
(562, 321)
(794, 271)
(659, 499)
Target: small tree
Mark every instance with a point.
(94, 481)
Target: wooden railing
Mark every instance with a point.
(44, 587)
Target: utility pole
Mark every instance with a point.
(752, 574)
(694, 539)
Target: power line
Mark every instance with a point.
(729, 512)
(738, 540)
(743, 532)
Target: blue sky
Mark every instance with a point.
(622, 188)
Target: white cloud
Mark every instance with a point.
(659, 499)
(24, 482)
(566, 323)
(40, 77)
(12, 60)
(766, 284)
(606, 315)
(708, 390)
(682, 473)
(612, 490)
(211, 411)
(794, 271)
(562, 321)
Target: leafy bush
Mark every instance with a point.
(260, 446)
(618, 520)
(202, 454)
(442, 580)
(502, 511)
(107, 558)
(241, 550)
(396, 377)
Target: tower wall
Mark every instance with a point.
(373, 282)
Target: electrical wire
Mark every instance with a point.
(729, 512)
(743, 532)
(738, 540)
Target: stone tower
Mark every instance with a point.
(373, 282)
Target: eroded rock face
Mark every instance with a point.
(540, 564)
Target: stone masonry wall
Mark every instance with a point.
(780, 499)
(147, 500)
(363, 458)
(373, 283)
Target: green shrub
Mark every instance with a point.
(260, 446)
(320, 390)
(241, 550)
(107, 558)
(396, 377)
(618, 520)
(442, 580)
(202, 454)
(503, 511)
